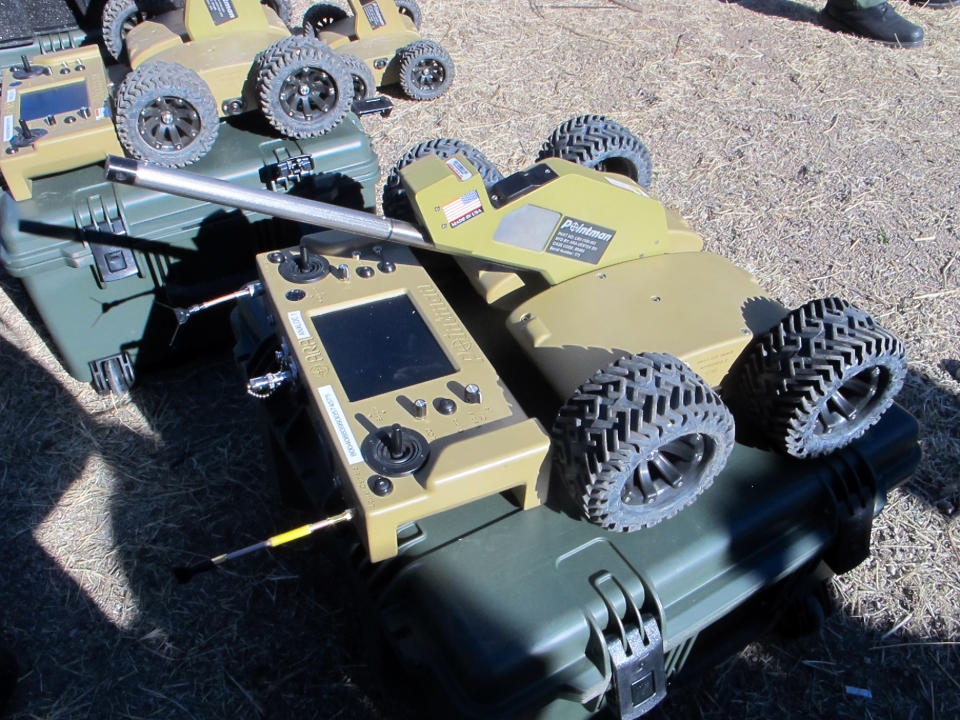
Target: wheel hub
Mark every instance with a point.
(307, 94)
(667, 469)
(168, 124)
(430, 73)
(852, 400)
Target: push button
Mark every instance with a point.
(115, 261)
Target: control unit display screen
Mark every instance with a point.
(380, 347)
(54, 101)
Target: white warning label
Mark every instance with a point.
(632, 188)
(11, 95)
(297, 324)
(334, 411)
(459, 169)
(7, 127)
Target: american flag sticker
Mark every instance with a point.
(463, 208)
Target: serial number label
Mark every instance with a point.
(333, 409)
(374, 16)
(221, 11)
(580, 240)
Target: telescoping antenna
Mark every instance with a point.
(185, 574)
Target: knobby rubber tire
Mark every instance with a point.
(426, 70)
(640, 441)
(117, 19)
(820, 378)
(153, 83)
(119, 16)
(283, 9)
(411, 10)
(364, 84)
(396, 204)
(309, 59)
(320, 16)
(596, 142)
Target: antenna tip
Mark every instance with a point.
(120, 169)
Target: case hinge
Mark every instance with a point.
(854, 490)
(284, 173)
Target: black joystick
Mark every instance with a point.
(396, 442)
(303, 266)
(26, 135)
(26, 70)
(395, 450)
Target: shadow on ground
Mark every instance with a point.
(780, 8)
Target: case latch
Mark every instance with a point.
(113, 262)
(639, 677)
(284, 173)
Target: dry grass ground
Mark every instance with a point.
(823, 164)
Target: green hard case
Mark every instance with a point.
(103, 263)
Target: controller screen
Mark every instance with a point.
(54, 101)
(380, 347)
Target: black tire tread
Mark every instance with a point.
(622, 410)
(411, 10)
(359, 69)
(283, 8)
(115, 14)
(322, 15)
(796, 363)
(588, 140)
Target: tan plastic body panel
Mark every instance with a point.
(236, 17)
(71, 140)
(224, 63)
(577, 222)
(480, 449)
(148, 39)
(699, 307)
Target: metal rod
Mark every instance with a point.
(289, 207)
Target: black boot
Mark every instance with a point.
(880, 23)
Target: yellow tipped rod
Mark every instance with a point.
(184, 574)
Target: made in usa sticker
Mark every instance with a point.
(464, 208)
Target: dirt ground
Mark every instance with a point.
(824, 164)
